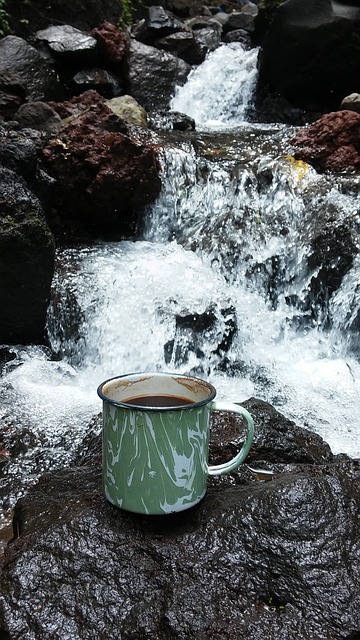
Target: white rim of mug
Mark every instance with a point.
(137, 407)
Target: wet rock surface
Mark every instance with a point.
(27, 254)
(276, 557)
(29, 68)
(303, 51)
(147, 63)
(331, 143)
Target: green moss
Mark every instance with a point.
(130, 11)
(274, 604)
(5, 28)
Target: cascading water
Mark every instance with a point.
(216, 285)
(220, 90)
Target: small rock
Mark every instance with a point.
(129, 109)
(351, 102)
(39, 116)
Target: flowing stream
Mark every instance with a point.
(215, 284)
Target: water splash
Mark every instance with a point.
(220, 90)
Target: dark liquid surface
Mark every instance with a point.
(158, 401)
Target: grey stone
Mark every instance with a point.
(351, 102)
(38, 78)
(153, 75)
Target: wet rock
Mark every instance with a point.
(27, 18)
(153, 75)
(281, 556)
(194, 330)
(239, 20)
(207, 32)
(332, 255)
(69, 43)
(239, 35)
(186, 8)
(19, 150)
(310, 53)
(278, 439)
(35, 74)
(127, 108)
(250, 7)
(171, 120)
(15, 442)
(184, 45)
(39, 116)
(105, 83)
(99, 163)
(65, 322)
(27, 262)
(12, 94)
(158, 24)
(276, 108)
(6, 355)
(331, 143)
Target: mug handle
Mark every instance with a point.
(226, 467)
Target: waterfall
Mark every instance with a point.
(215, 285)
(219, 92)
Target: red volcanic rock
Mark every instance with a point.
(111, 42)
(105, 170)
(332, 143)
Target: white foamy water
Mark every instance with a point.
(220, 90)
(139, 289)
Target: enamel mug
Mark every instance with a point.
(156, 441)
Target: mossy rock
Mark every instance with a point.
(27, 252)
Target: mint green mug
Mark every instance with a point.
(156, 441)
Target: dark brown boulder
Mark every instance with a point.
(39, 116)
(331, 143)
(185, 8)
(105, 170)
(112, 43)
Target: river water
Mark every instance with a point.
(204, 288)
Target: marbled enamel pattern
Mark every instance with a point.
(155, 459)
(155, 462)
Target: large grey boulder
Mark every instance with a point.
(29, 67)
(311, 53)
(153, 75)
(27, 254)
